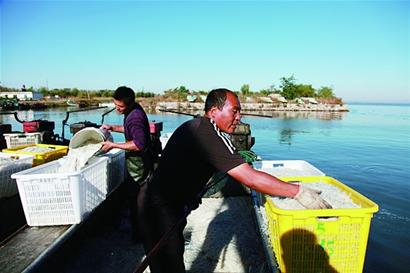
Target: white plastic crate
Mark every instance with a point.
(20, 139)
(284, 168)
(52, 198)
(116, 168)
(8, 186)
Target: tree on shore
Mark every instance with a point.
(290, 90)
(288, 87)
(325, 92)
(245, 90)
(305, 90)
(177, 93)
(87, 94)
(8, 89)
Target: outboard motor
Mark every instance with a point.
(227, 186)
(75, 127)
(242, 138)
(38, 126)
(43, 126)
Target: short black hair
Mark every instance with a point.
(124, 94)
(217, 98)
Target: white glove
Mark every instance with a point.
(310, 199)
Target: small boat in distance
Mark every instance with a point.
(71, 103)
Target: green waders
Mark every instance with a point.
(137, 169)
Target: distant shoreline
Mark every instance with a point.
(156, 105)
(254, 107)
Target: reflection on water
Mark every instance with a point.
(301, 114)
(328, 115)
(6, 117)
(26, 115)
(30, 115)
(286, 135)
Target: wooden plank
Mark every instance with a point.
(21, 250)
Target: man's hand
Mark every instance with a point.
(113, 128)
(107, 145)
(310, 199)
(106, 127)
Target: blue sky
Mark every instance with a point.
(360, 48)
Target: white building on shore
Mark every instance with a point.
(22, 95)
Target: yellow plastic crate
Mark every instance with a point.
(329, 240)
(41, 158)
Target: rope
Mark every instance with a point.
(249, 156)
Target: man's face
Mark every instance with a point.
(121, 107)
(228, 118)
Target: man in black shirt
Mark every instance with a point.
(195, 151)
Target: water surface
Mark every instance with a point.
(367, 148)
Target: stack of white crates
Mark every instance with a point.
(12, 163)
(53, 198)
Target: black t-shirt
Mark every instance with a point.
(195, 151)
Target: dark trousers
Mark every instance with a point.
(155, 221)
(132, 192)
(134, 199)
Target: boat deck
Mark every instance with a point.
(30, 244)
(221, 236)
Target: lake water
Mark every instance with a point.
(367, 148)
